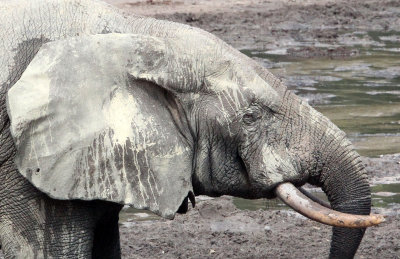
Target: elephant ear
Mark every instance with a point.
(87, 127)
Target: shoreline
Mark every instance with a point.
(278, 24)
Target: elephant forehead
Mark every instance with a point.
(235, 90)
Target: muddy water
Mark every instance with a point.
(360, 94)
(383, 196)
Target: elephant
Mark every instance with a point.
(101, 109)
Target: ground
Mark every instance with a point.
(276, 24)
(215, 228)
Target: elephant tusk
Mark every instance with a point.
(290, 195)
(314, 198)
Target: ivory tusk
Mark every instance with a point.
(314, 198)
(290, 195)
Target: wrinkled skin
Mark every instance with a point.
(244, 142)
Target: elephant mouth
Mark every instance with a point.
(310, 207)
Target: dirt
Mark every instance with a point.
(384, 169)
(277, 24)
(216, 229)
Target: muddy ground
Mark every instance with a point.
(277, 24)
(215, 228)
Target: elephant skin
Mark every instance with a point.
(100, 109)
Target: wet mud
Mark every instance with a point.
(277, 24)
(217, 229)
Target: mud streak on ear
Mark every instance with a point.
(95, 132)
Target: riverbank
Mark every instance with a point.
(279, 24)
(217, 229)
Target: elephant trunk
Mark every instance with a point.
(347, 189)
(342, 176)
(338, 170)
(348, 192)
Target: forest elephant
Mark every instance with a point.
(100, 109)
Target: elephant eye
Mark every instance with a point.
(250, 117)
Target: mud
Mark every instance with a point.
(277, 24)
(383, 170)
(216, 229)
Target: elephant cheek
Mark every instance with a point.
(275, 166)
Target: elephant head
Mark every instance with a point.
(147, 120)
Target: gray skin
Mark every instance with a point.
(242, 146)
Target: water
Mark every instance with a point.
(360, 94)
(383, 196)
(132, 215)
